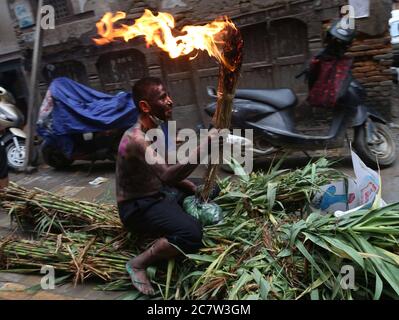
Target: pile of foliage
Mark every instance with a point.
(270, 245)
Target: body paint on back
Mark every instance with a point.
(123, 146)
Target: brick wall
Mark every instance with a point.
(372, 62)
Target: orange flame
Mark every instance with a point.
(158, 30)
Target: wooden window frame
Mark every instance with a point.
(69, 9)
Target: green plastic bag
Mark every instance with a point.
(207, 213)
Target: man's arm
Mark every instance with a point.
(168, 174)
(186, 186)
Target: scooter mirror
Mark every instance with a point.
(6, 96)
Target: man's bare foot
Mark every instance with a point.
(139, 279)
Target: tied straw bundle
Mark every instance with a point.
(71, 253)
(48, 212)
(228, 78)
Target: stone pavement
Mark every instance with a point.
(74, 183)
(15, 286)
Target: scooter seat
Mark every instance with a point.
(279, 98)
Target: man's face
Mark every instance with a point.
(160, 103)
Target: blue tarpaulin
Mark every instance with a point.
(78, 109)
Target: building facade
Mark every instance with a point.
(12, 71)
(280, 36)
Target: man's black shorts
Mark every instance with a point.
(3, 162)
(162, 216)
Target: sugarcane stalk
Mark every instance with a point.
(47, 211)
(228, 78)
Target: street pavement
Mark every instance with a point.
(74, 183)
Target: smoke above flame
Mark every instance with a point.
(159, 30)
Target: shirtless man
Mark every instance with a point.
(143, 206)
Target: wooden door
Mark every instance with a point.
(120, 70)
(257, 70)
(289, 47)
(178, 75)
(72, 69)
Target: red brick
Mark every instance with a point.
(377, 79)
(373, 73)
(374, 41)
(358, 75)
(357, 54)
(360, 48)
(365, 69)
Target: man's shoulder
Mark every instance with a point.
(132, 140)
(134, 134)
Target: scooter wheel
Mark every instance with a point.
(381, 154)
(16, 154)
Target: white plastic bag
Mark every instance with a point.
(362, 192)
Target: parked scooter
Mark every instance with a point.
(13, 138)
(270, 114)
(88, 146)
(79, 123)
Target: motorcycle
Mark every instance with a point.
(90, 146)
(79, 123)
(13, 138)
(269, 113)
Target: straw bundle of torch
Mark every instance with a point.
(220, 39)
(228, 78)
